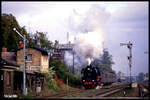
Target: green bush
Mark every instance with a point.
(74, 80)
(52, 84)
(60, 69)
(62, 72)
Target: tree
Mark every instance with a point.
(104, 62)
(40, 40)
(10, 39)
(106, 58)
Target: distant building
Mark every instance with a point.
(58, 54)
(146, 77)
(121, 76)
(59, 50)
(133, 78)
(37, 59)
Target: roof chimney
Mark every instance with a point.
(4, 49)
(69, 43)
(56, 44)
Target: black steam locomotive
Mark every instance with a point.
(93, 77)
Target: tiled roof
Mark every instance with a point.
(44, 52)
(5, 62)
(9, 56)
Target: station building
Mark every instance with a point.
(12, 64)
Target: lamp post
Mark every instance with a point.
(24, 69)
(129, 46)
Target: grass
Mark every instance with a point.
(62, 89)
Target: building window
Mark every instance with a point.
(29, 57)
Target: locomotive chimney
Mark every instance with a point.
(89, 61)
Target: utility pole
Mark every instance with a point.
(67, 38)
(73, 60)
(24, 69)
(103, 45)
(67, 84)
(73, 54)
(129, 46)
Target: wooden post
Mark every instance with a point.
(67, 84)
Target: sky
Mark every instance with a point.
(118, 22)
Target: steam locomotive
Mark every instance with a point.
(93, 77)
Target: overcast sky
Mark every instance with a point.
(120, 22)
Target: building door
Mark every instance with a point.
(2, 83)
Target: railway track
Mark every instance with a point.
(110, 91)
(143, 90)
(63, 94)
(100, 93)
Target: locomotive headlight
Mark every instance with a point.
(93, 80)
(83, 80)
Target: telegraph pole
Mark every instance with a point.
(73, 61)
(67, 39)
(73, 54)
(129, 46)
(24, 69)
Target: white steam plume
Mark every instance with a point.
(89, 29)
(89, 45)
(86, 47)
